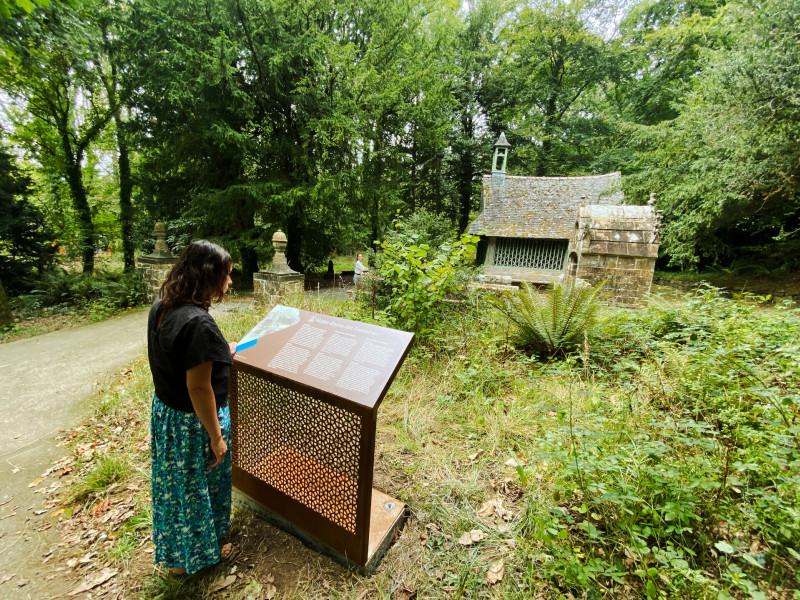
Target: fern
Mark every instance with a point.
(551, 323)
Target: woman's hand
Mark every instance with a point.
(232, 346)
(220, 449)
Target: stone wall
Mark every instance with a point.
(271, 289)
(154, 272)
(618, 245)
(628, 278)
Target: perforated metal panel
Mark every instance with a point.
(302, 446)
(530, 253)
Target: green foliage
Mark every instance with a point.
(420, 278)
(421, 227)
(25, 247)
(725, 169)
(552, 323)
(103, 292)
(108, 470)
(687, 485)
(550, 68)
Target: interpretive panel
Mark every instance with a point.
(304, 397)
(350, 359)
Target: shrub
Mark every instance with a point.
(685, 480)
(104, 291)
(420, 278)
(552, 323)
(422, 227)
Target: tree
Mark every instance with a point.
(549, 65)
(112, 21)
(475, 47)
(52, 65)
(661, 46)
(727, 167)
(25, 244)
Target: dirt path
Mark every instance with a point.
(45, 382)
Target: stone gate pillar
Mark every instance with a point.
(276, 282)
(155, 267)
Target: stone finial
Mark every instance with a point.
(279, 263)
(160, 233)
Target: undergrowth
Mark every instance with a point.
(658, 459)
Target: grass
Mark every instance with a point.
(108, 470)
(619, 445)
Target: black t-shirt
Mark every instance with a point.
(186, 337)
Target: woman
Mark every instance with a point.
(190, 425)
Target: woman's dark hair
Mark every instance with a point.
(198, 277)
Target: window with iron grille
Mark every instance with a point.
(546, 255)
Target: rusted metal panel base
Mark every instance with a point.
(387, 518)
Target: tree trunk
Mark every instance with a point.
(249, 263)
(125, 189)
(548, 124)
(81, 204)
(466, 172)
(294, 231)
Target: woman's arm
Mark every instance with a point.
(198, 382)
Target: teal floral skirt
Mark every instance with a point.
(191, 502)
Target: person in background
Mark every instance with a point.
(190, 423)
(358, 269)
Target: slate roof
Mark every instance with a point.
(541, 207)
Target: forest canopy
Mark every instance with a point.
(229, 119)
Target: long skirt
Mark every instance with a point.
(191, 502)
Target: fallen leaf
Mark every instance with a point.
(486, 509)
(7, 578)
(38, 513)
(36, 482)
(270, 591)
(221, 584)
(495, 573)
(405, 594)
(475, 455)
(515, 462)
(100, 507)
(15, 470)
(90, 584)
(502, 511)
(72, 563)
(472, 537)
